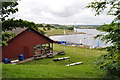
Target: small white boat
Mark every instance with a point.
(14, 61)
(58, 59)
(77, 63)
(63, 58)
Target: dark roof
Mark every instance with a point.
(32, 30)
(16, 30)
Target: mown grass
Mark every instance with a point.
(46, 68)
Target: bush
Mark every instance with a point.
(41, 31)
(48, 28)
(44, 29)
(110, 62)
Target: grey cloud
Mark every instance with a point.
(76, 12)
(69, 10)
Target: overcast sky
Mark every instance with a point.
(59, 12)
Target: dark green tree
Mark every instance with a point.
(70, 28)
(48, 28)
(52, 26)
(5, 37)
(18, 23)
(44, 28)
(41, 31)
(40, 25)
(110, 61)
(48, 25)
(8, 8)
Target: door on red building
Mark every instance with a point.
(26, 51)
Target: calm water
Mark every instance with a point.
(86, 39)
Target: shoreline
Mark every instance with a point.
(64, 34)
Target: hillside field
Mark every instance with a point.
(47, 68)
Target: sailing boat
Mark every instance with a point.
(74, 28)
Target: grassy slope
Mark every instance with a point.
(56, 32)
(46, 68)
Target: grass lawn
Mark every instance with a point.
(46, 68)
(56, 31)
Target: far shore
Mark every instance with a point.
(64, 34)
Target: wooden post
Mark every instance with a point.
(49, 47)
(40, 48)
(52, 48)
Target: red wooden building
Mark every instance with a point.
(25, 42)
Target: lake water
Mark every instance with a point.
(86, 39)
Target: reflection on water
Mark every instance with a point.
(86, 39)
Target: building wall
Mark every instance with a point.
(23, 44)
